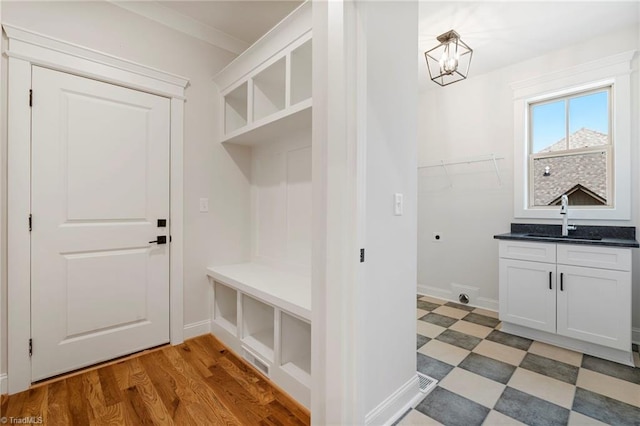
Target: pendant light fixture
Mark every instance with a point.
(450, 60)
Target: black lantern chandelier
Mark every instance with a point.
(450, 60)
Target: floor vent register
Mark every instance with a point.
(426, 383)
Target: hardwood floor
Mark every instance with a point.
(197, 383)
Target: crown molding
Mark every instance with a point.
(185, 24)
(43, 50)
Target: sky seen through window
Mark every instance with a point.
(549, 125)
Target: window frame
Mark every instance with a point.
(607, 149)
(614, 71)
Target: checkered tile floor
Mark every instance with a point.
(494, 378)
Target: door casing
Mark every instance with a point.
(25, 49)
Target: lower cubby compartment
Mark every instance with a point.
(295, 348)
(258, 326)
(225, 306)
(263, 315)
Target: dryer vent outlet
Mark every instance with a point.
(463, 298)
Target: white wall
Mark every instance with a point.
(389, 127)
(3, 226)
(475, 117)
(281, 202)
(364, 151)
(219, 236)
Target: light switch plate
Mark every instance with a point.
(204, 205)
(398, 204)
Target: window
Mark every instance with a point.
(568, 123)
(570, 149)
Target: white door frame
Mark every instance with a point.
(26, 48)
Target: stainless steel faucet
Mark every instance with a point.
(564, 211)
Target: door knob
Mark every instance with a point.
(161, 239)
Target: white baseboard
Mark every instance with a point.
(439, 293)
(390, 410)
(635, 335)
(3, 384)
(486, 303)
(196, 329)
(615, 355)
(480, 302)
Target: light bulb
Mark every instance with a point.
(448, 60)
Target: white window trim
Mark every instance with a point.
(25, 49)
(615, 70)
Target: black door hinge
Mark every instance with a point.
(30, 222)
(30, 97)
(361, 255)
(30, 347)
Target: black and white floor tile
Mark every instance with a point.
(487, 377)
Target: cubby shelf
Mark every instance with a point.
(300, 87)
(290, 119)
(225, 310)
(269, 90)
(272, 99)
(235, 109)
(295, 351)
(258, 326)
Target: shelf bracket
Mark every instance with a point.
(495, 165)
(446, 172)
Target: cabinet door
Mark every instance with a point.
(595, 305)
(528, 294)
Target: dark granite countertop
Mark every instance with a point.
(613, 236)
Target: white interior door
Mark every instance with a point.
(100, 181)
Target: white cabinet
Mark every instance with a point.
(580, 292)
(262, 305)
(595, 305)
(528, 294)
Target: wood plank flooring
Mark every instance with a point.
(197, 383)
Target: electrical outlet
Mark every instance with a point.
(204, 205)
(436, 237)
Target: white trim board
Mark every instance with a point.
(64, 56)
(25, 49)
(480, 302)
(490, 304)
(390, 410)
(615, 70)
(611, 354)
(293, 27)
(3, 384)
(196, 329)
(185, 24)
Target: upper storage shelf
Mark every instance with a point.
(266, 91)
